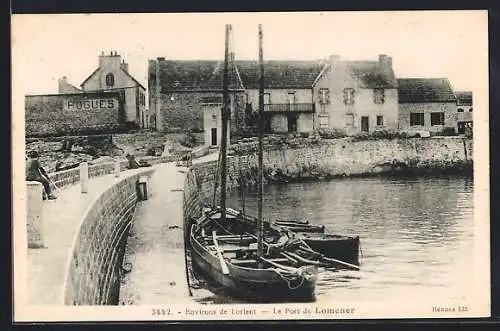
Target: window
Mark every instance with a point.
(110, 80)
(267, 98)
(324, 96)
(380, 120)
(324, 121)
(416, 119)
(378, 96)
(460, 110)
(437, 118)
(470, 110)
(348, 96)
(349, 120)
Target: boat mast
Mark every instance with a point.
(260, 223)
(224, 115)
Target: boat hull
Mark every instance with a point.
(340, 247)
(344, 248)
(257, 285)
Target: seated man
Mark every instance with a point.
(132, 162)
(34, 172)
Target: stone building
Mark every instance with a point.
(356, 96)
(187, 96)
(288, 93)
(302, 96)
(464, 111)
(112, 74)
(427, 104)
(181, 92)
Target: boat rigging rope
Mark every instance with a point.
(289, 277)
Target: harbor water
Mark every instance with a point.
(416, 234)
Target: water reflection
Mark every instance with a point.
(416, 233)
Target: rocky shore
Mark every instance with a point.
(66, 152)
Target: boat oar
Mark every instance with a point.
(329, 259)
(278, 265)
(225, 269)
(301, 259)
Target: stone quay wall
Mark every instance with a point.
(312, 160)
(72, 176)
(95, 265)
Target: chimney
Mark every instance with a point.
(385, 62)
(334, 60)
(101, 59)
(124, 66)
(161, 59)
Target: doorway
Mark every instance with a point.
(214, 136)
(364, 123)
(292, 122)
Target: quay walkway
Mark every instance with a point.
(154, 233)
(155, 248)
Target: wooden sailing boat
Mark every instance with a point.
(241, 263)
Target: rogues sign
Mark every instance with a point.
(90, 104)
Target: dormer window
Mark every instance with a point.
(110, 80)
(348, 96)
(378, 96)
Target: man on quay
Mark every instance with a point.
(35, 172)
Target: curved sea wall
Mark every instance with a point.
(94, 267)
(308, 159)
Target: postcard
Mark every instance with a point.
(250, 166)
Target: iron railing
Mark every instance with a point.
(289, 107)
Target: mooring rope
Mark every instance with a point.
(288, 277)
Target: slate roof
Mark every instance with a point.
(195, 75)
(413, 90)
(280, 74)
(464, 98)
(371, 74)
(207, 75)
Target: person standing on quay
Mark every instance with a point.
(35, 172)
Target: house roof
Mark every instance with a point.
(126, 72)
(413, 90)
(195, 75)
(371, 74)
(207, 75)
(464, 98)
(280, 74)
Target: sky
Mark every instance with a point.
(452, 44)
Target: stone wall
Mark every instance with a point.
(182, 111)
(307, 160)
(95, 265)
(72, 176)
(63, 114)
